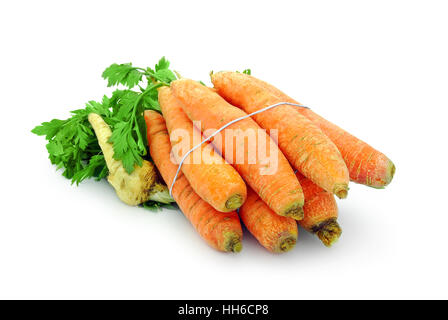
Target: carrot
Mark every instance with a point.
(222, 231)
(214, 180)
(274, 232)
(321, 212)
(280, 190)
(305, 145)
(366, 165)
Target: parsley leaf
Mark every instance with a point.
(72, 144)
(163, 64)
(164, 75)
(157, 206)
(96, 167)
(124, 74)
(246, 71)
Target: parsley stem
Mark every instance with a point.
(137, 102)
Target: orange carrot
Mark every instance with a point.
(366, 165)
(214, 180)
(222, 231)
(305, 145)
(274, 232)
(280, 190)
(321, 212)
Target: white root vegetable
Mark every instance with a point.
(133, 189)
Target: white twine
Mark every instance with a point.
(225, 126)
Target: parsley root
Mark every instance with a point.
(306, 147)
(135, 188)
(220, 230)
(281, 191)
(274, 232)
(214, 180)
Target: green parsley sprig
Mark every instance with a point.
(72, 144)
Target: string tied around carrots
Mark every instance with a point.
(225, 126)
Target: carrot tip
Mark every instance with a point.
(234, 202)
(390, 172)
(328, 232)
(286, 243)
(294, 212)
(341, 190)
(385, 179)
(232, 242)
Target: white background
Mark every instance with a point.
(377, 68)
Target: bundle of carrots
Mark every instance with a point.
(315, 161)
(273, 169)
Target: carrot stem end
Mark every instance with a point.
(286, 243)
(390, 172)
(234, 202)
(328, 232)
(295, 212)
(232, 242)
(341, 191)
